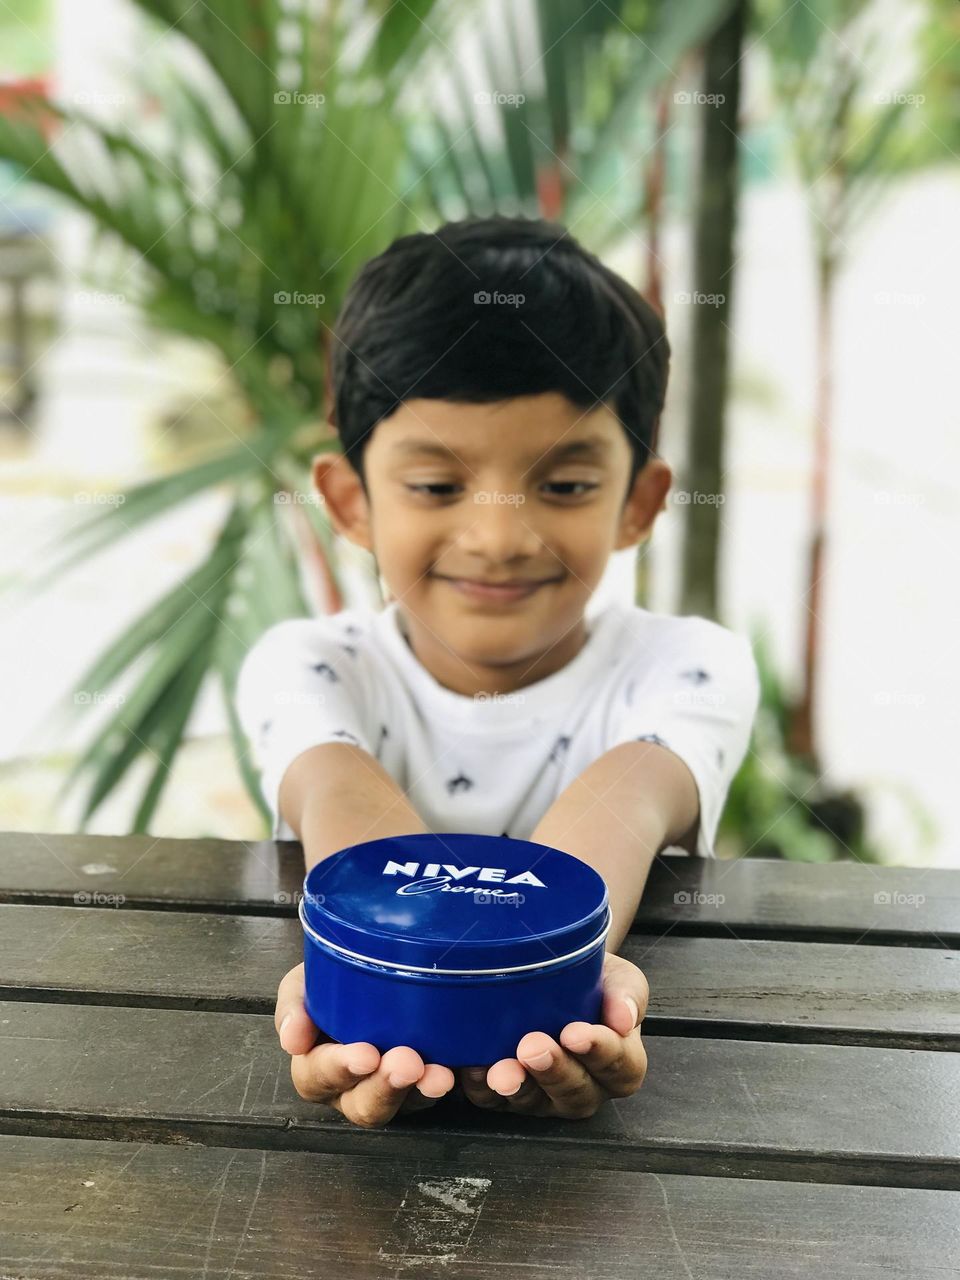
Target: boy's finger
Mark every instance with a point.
(504, 1077)
(378, 1097)
(291, 986)
(561, 1076)
(473, 1082)
(528, 1098)
(625, 1002)
(617, 1063)
(435, 1083)
(436, 1080)
(415, 1101)
(626, 993)
(332, 1068)
(297, 1032)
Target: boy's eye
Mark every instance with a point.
(583, 485)
(431, 489)
(565, 486)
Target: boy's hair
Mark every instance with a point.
(486, 309)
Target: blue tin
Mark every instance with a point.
(455, 944)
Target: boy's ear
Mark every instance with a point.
(339, 486)
(643, 504)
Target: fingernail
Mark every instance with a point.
(286, 1019)
(432, 1096)
(579, 1046)
(398, 1082)
(540, 1063)
(508, 1093)
(634, 1009)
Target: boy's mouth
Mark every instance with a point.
(482, 589)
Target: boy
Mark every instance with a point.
(497, 393)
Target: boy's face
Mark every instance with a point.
(494, 493)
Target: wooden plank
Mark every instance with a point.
(748, 897)
(847, 902)
(810, 1113)
(91, 1209)
(900, 997)
(263, 876)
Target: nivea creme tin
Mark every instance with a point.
(454, 944)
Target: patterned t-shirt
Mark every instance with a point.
(493, 764)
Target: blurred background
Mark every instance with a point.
(186, 190)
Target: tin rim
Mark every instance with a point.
(420, 968)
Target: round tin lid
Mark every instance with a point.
(455, 901)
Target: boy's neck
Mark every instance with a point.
(470, 678)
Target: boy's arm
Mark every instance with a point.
(618, 814)
(336, 794)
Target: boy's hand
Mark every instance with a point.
(367, 1088)
(591, 1064)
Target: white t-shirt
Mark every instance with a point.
(493, 765)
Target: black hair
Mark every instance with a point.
(485, 309)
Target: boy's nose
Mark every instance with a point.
(499, 531)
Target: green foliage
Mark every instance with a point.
(25, 37)
(778, 806)
(586, 78)
(850, 122)
(939, 82)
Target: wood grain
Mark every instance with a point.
(810, 1112)
(93, 1209)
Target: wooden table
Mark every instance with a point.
(799, 1117)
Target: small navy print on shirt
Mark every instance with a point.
(324, 669)
(697, 675)
(459, 783)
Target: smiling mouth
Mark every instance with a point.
(496, 591)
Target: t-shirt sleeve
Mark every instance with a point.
(697, 695)
(299, 687)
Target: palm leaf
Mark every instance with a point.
(586, 77)
(77, 541)
(179, 698)
(142, 724)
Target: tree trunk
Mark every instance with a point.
(801, 738)
(714, 231)
(652, 289)
(654, 184)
